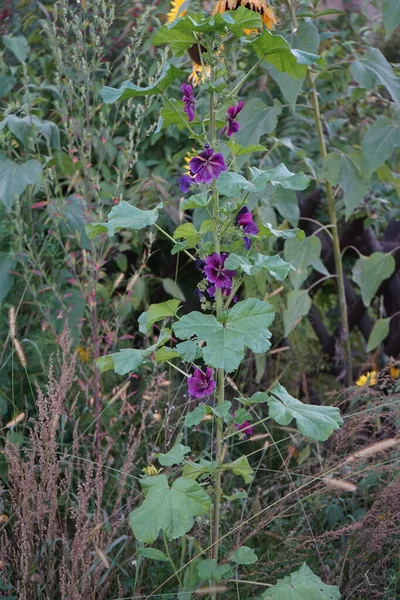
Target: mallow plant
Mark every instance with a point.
(208, 345)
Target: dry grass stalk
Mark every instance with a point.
(339, 484)
(15, 421)
(20, 352)
(374, 449)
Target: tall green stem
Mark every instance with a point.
(221, 375)
(335, 234)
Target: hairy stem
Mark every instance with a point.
(335, 234)
(221, 375)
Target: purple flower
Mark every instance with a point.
(232, 126)
(199, 264)
(208, 165)
(244, 219)
(215, 271)
(185, 182)
(225, 292)
(188, 100)
(245, 428)
(201, 384)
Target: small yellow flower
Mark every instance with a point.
(369, 378)
(151, 470)
(83, 354)
(178, 9)
(259, 6)
(394, 370)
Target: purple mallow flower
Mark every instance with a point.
(201, 384)
(244, 219)
(208, 165)
(232, 126)
(215, 271)
(188, 100)
(245, 428)
(225, 292)
(185, 182)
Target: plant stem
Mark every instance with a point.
(170, 559)
(221, 374)
(335, 234)
(172, 240)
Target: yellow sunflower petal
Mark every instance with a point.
(177, 10)
(259, 6)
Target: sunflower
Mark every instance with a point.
(199, 74)
(178, 9)
(369, 378)
(259, 6)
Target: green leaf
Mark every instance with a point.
(186, 231)
(158, 312)
(172, 288)
(385, 174)
(7, 264)
(379, 143)
(238, 150)
(189, 351)
(379, 333)
(240, 467)
(278, 52)
(208, 569)
(179, 40)
(370, 271)
(174, 457)
(223, 410)
(195, 416)
(298, 305)
(315, 422)
(279, 175)
(231, 184)
(306, 38)
(29, 126)
(165, 353)
(339, 169)
(277, 267)
(193, 470)
(245, 325)
(18, 45)
(373, 69)
(302, 585)
(266, 230)
(260, 120)
(242, 415)
(153, 554)
(286, 203)
(302, 254)
(129, 90)
(196, 201)
(127, 360)
(7, 82)
(244, 556)
(172, 509)
(15, 177)
(257, 398)
(391, 15)
(124, 216)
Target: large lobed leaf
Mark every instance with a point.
(130, 90)
(278, 52)
(370, 271)
(244, 325)
(123, 216)
(171, 509)
(302, 585)
(15, 177)
(315, 422)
